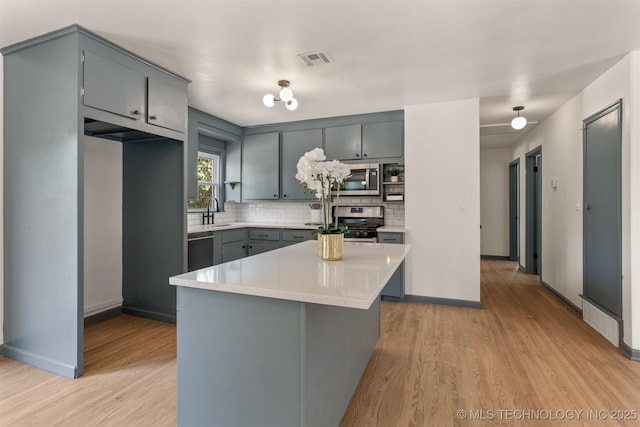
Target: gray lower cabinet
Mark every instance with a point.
(230, 245)
(294, 145)
(291, 237)
(234, 244)
(233, 251)
(263, 240)
(261, 166)
(394, 289)
(256, 248)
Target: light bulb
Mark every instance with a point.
(268, 100)
(518, 122)
(286, 94)
(292, 105)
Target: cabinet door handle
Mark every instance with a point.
(284, 195)
(357, 155)
(136, 112)
(365, 154)
(153, 117)
(275, 196)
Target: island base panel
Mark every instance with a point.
(247, 360)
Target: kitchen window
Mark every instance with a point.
(208, 181)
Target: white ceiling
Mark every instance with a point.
(388, 54)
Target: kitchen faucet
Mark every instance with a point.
(209, 215)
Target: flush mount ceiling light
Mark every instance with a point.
(285, 95)
(518, 122)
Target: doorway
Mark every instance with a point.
(533, 224)
(514, 210)
(602, 251)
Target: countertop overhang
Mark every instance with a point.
(297, 273)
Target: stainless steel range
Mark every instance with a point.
(362, 221)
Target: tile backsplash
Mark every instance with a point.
(292, 213)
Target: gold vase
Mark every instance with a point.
(330, 246)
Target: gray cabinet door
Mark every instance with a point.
(343, 142)
(394, 289)
(380, 140)
(110, 85)
(167, 105)
(233, 251)
(260, 167)
(294, 145)
(290, 237)
(256, 248)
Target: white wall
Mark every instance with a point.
(560, 136)
(1, 198)
(102, 225)
(442, 208)
(494, 201)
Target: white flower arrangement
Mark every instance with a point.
(318, 176)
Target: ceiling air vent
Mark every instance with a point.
(319, 57)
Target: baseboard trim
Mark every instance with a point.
(148, 314)
(631, 353)
(103, 315)
(39, 361)
(577, 310)
(392, 299)
(496, 257)
(443, 301)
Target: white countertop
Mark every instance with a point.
(391, 229)
(296, 273)
(298, 226)
(231, 226)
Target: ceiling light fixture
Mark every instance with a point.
(285, 95)
(518, 122)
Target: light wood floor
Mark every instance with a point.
(523, 351)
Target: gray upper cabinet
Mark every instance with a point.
(114, 83)
(167, 104)
(377, 140)
(294, 145)
(343, 142)
(261, 166)
(382, 140)
(110, 85)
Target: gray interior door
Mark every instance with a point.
(602, 214)
(514, 207)
(534, 212)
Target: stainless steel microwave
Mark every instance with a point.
(364, 180)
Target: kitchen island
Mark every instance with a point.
(280, 338)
